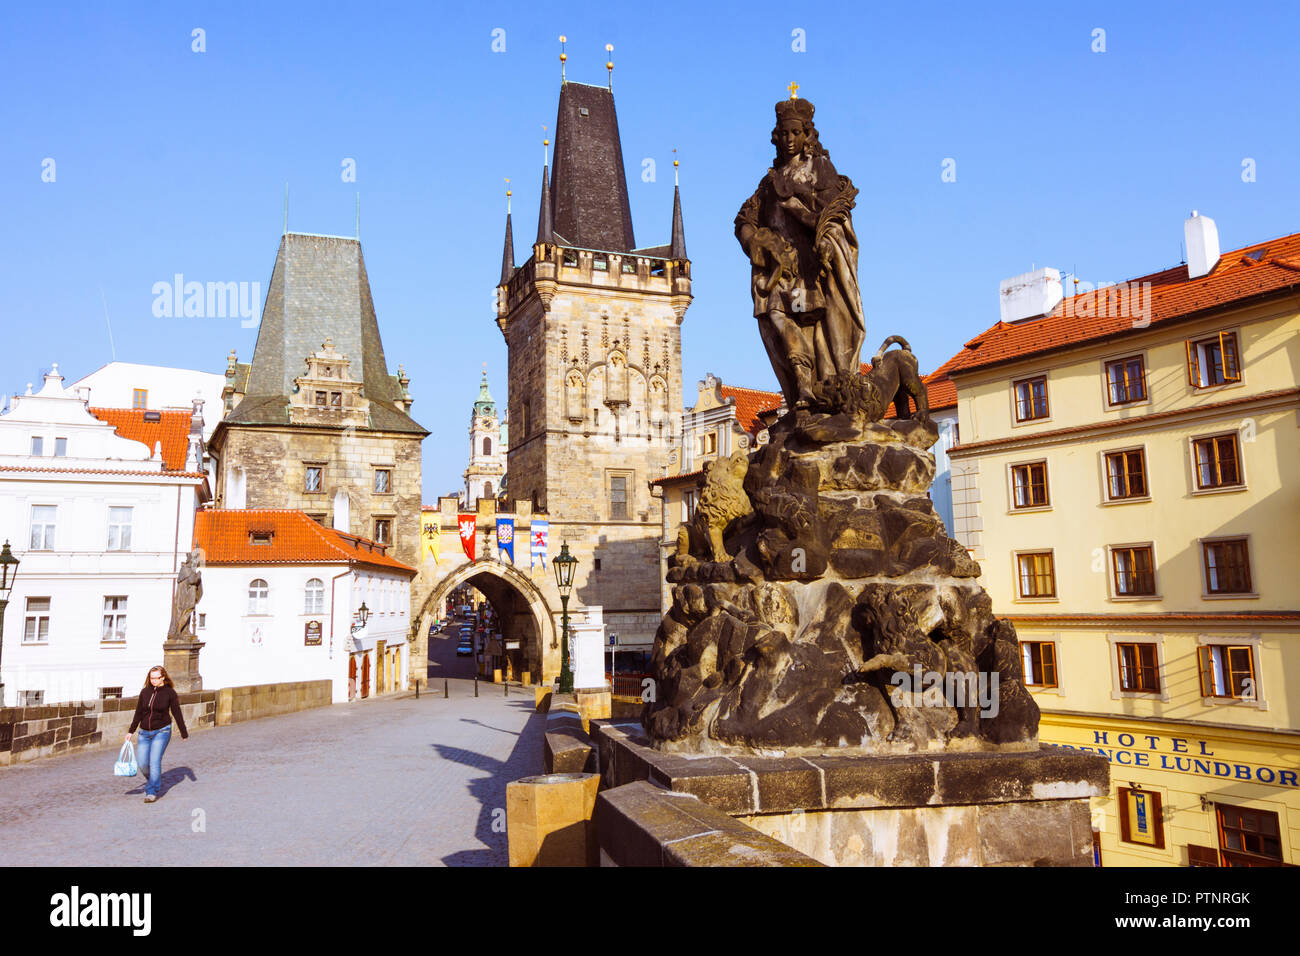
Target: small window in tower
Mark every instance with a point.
(629, 266)
(320, 399)
(487, 446)
(336, 399)
(600, 263)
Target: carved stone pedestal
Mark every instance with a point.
(941, 808)
(181, 658)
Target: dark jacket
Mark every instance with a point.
(151, 710)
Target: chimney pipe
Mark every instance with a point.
(1202, 245)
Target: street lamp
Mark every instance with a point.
(565, 564)
(8, 574)
(362, 615)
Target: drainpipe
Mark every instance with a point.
(332, 607)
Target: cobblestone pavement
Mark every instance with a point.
(388, 781)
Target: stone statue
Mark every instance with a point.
(819, 604)
(798, 234)
(189, 591)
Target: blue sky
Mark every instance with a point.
(168, 160)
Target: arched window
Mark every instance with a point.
(314, 597)
(487, 489)
(487, 446)
(257, 594)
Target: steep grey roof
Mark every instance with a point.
(678, 244)
(589, 202)
(545, 226)
(319, 289)
(508, 255)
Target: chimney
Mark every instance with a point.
(1202, 245)
(1029, 294)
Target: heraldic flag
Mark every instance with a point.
(467, 523)
(538, 542)
(506, 536)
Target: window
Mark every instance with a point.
(1039, 660)
(261, 537)
(487, 489)
(31, 698)
(1126, 381)
(60, 448)
(320, 519)
(1227, 670)
(336, 399)
(1139, 669)
(43, 527)
(1213, 361)
(1248, 837)
(314, 597)
(1134, 571)
(1029, 484)
(321, 399)
(140, 398)
(110, 693)
(1031, 398)
(618, 496)
(1218, 461)
(1126, 475)
(383, 481)
(383, 530)
(708, 444)
(312, 484)
(487, 446)
(1140, 818)
(36, 628)
(201, 621)
(119, 529)
(1037, 574)
(114, 629)
(257, 596)
(1227, 567)
(600, 263)
(690, 500)
(38, 446)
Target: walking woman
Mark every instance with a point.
(151, 715)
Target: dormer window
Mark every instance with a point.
(260, 537)
(153, 416)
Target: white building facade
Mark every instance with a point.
(100, 525)
(281, 596)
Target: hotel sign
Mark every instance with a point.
(1178, 755)
(311, 633)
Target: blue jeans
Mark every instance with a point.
(149, 760)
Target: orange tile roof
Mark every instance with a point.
(1239, 275)
(749, 402)
(225, 536)
(106, 471)
(694, 476)
(172, 429)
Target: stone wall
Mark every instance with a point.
(29, 733)
(237, 704)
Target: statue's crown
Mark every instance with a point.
(798, 109)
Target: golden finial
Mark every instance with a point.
(675, 165)
(609, 64)
(546, 156)
(509, 193)
(563, 56)
(794, 90)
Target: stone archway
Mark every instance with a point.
(525, 613)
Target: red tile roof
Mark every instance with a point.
(225, 537)
(172, 429)
(105, 471)
(749, 402)
(693, 476)
(1239, 275)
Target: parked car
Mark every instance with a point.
(463, 649)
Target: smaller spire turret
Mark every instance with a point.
(678, 246)
(508, 254)
(545, 223)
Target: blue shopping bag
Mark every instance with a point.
(125, 766)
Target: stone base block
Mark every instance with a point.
(542, 697)
(930, 809)
(594, 704)
(548, 820)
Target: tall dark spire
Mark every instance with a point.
(545, 224)
(508, 255)
(589, 204)
(679, 230)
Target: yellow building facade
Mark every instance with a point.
(1130, 482)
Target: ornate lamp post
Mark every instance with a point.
(565, 564)
(362, 615)
(8, 573)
